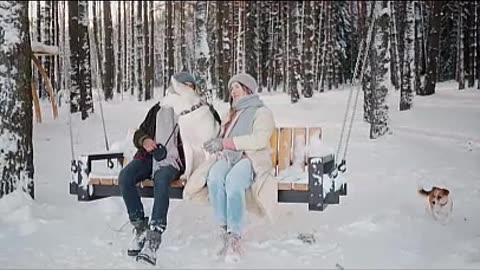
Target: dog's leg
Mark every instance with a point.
(187, 148)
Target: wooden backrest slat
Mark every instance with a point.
(298, 147)
(274, 150)
(284, 148)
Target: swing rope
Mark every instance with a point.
(342, 166)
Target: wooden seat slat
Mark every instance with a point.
(285, 143)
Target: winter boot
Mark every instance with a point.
(224, 239)
(152, 243)
(140, 231)
(234, 250)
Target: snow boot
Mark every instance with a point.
(152, 243)
(234, 249)
(224, 238)
(140, 231)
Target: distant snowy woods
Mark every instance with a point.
(300, 48)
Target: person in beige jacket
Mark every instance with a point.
(239, 174)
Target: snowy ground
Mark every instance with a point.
(380, 224)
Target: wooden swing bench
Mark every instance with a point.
(284, 141)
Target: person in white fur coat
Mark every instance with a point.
(239, 174)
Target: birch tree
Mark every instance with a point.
(376, 77)
(16, 116)
(408, 66)
(201, 44)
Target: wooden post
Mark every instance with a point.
(36, 103)
(49, 85)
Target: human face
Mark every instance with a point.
(237, 91)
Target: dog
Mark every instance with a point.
(440, 203)
(197, 120)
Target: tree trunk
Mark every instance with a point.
(183, 46)
(251, 39)
(308, 50)
(132, 49)
(125, 65)
(109, 53)
(394, 63)
(219, 58)
(81, 88)
(100, 79)
(433, 49)
(139, 57)
(477, 23)
(377, 77)
(170, 38)
(146, 52)
(202, 50)
(16, 117)
(41, 85)
(47, 36)
(470, 46)
(119, 49)
(408, 73)
(418, 45)
(151, 68)
(294, 58)
(460, 49)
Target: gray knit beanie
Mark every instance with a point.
(245, 79)
(185, 77)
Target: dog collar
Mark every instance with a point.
(193, 108)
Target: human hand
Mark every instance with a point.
(213, 145)
(149, 145)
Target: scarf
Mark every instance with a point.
(245, 109)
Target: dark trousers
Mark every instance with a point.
(136, 171)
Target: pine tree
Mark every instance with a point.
(16, 117)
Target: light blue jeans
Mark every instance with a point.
(226, 189)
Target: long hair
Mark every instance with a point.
(231, 111)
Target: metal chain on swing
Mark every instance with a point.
(342, 167)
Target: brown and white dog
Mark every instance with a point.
(440, 203)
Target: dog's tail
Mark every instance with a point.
(423, 192)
